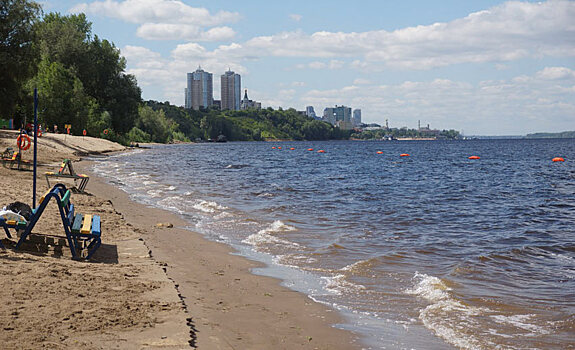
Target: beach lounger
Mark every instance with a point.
(15, 161)
(83, 232)
(67, 171)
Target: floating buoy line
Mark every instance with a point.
(474, 157)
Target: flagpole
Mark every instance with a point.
(35, 145)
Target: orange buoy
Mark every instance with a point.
(292, 149)
(279, 148)
(558, 159)
(475, 157)
(379, 152)
(274, 147)
(321, 151)
(310, 149)
(404, 155)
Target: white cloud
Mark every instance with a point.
(556, 73)
(165, 19)
(296, 17)
(507, 32)
(166, 31)
(333, 64)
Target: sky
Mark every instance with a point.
(480, 67)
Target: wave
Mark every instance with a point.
(338, 285)
(265, 236)
(208, 206)
(448, 317)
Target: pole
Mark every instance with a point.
(35, 145)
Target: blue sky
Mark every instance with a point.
(483, 67)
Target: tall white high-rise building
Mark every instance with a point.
(200, 91)
(231, 85)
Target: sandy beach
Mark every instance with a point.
(152, 284)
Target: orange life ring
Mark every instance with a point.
(39, 133)
(23, 141)
(105, 131)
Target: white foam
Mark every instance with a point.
(279, 226)
(521, 321)
(265, 236)
(338, 285)
(208, 206)
(449, 318)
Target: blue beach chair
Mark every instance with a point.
(81, 230)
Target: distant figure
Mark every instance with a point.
(55, 129)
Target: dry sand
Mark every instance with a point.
(147, 287)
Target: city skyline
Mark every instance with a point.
(488, 67)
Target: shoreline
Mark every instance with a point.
(228, 306)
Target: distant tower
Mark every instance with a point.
(200, 91)
(387, 124)
(310, 112)
(356, 120)
(231, 90)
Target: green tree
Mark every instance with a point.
(155, 124)
(316, 130)
(97, 64)
(62, 97)
(17, 54)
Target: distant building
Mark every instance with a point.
(310, 112)
(231, 90)
(247, 103)
(338, 116)
(426, 131)
(217, 104)
(356, 119)
(200, 92)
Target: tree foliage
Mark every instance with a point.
(18, 56)
(81, 78)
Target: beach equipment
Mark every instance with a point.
(15, 160)
(82, 231)
(558, 159)
(23, 142)
(67, 171)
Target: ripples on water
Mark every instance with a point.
(419, 252)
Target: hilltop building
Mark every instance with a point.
(200, 92)
(247, 103)
(356, 119)
(426, 131)
(310, 112)
(338, 116)
(231, 90)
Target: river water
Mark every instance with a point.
(430, 251)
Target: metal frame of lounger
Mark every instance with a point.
(67, 164)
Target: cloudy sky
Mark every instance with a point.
(482, 67)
